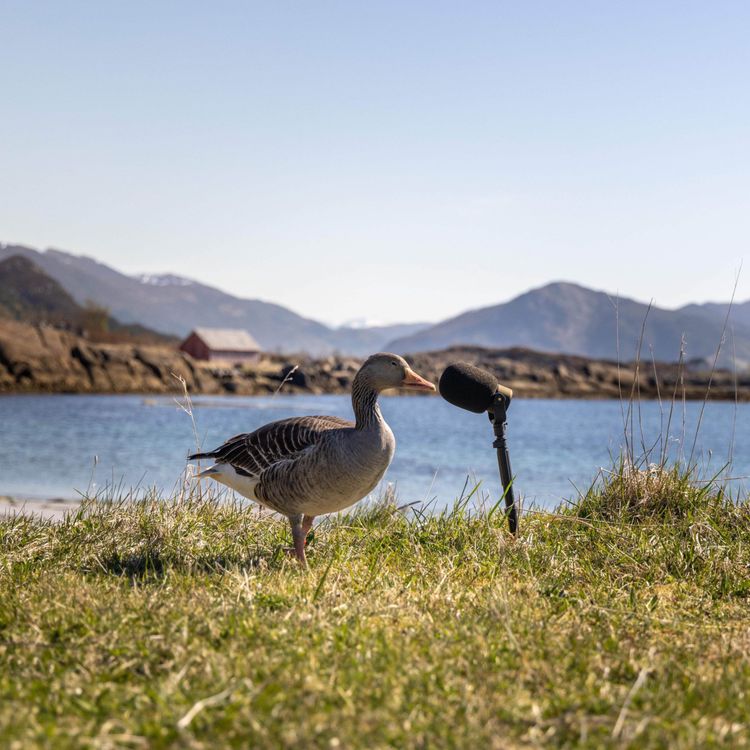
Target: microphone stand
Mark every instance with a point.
(498, 417)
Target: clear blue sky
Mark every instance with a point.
(390, 161)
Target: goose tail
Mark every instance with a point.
(211, 471)
(227, 475)
(199, 456)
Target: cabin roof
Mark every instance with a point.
(227, 339)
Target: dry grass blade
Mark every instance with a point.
(713, 366)
(286, 379)
(639, 682)
(198, 706)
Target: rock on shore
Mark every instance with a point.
(43, 359)
(533, 374)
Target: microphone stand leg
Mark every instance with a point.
(499, 423)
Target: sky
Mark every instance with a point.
(389, 161)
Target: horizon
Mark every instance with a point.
(345, 161)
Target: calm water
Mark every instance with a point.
(49, 445)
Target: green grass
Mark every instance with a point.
(620, 622)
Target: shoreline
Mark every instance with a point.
(46, 360)
(50, 508)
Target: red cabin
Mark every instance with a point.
(225, 344)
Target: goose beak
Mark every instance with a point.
(416, 382)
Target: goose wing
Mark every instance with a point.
(251, 453)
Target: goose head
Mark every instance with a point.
(382, 371)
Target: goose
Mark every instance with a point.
(304, 467)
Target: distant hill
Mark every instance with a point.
(29, 295)
(739, 314)
(563, 317)
(559, 317)
(174, 305)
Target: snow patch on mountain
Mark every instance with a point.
(359, 323)
(163, 279)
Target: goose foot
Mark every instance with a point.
(292, 552)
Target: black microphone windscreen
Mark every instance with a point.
(468, 387)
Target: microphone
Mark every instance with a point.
(477, 390)
(471, 388)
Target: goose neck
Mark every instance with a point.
(365, 404)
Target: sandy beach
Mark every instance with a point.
(53, 508)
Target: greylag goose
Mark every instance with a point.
(306, 466)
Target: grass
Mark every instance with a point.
(619, 622)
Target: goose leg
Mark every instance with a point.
(307, 523)
(298, 535)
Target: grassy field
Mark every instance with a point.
(620, 622)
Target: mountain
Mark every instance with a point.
(175, 305)
(559, 317)
(739, 314)
(564, 317)
(361, 341)
(29, 295)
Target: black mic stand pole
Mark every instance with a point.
(498, 417)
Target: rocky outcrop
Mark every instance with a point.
(533, 374)
(45, 359)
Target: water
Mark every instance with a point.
(48, 444)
